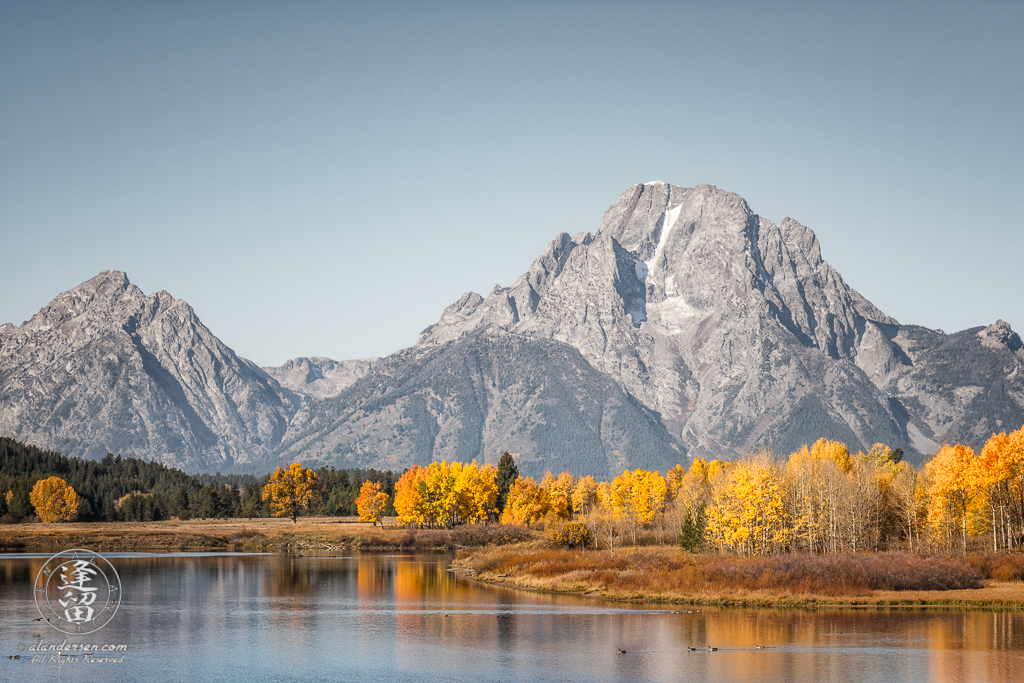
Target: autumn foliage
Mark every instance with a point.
(821, 499)
(54, 500)
(291, 491)
(371, 502)
(444, 494)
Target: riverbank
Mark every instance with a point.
(664, 575)
(308, 534)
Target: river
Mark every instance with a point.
(405, 617)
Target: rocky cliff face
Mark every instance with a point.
(733, 329)
(105, 368)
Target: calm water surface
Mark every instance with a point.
(402, 617)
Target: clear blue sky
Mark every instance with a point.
(322, 178)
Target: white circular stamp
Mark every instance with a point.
(77, 591)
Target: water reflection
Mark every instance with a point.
(405, 617)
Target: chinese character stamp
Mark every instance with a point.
(77, 591)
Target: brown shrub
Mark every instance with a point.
(998, 566)
(656, 570)
(843, 574)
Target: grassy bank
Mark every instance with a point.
(664, 574)
(250, 535)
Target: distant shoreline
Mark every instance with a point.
(333, 534)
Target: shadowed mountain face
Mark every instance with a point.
(685, 326)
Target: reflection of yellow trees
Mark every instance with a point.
(371, 578)
(290, 576)
(408, 581)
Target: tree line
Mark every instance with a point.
(131, 489)
(821, 498)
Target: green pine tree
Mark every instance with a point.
(508, 472)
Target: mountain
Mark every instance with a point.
(105, 368)
(740, 336)
(488, 392)
(686, 325)
(321, 377)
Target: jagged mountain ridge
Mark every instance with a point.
(105, 368)
(735, 330)
(686, 325)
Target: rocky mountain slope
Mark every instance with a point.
(105, 368)
(488, 392)
(740, 336)
(687, 325)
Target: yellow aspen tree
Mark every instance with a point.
(674, 480)
(54, 500)
(442, 497)
(859, 504)
(603, 518)
(478, 492)
(410, 502)
(648, 494)
(1002, 473)
(371, 503)
(584, 496)
(486, 493)
(715, 468)
(817, 477)
(527, 502)
(956, 484)
(833, 450)
(623, 504)
(747, 512)
(560, 491)
(801, 478)
(292, 491)
(909, 501)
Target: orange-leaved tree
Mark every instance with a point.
(54, 500)
(410, 500)
(292, 490)
(371, 503)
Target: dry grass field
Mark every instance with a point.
(664, 574)
(267, 535)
